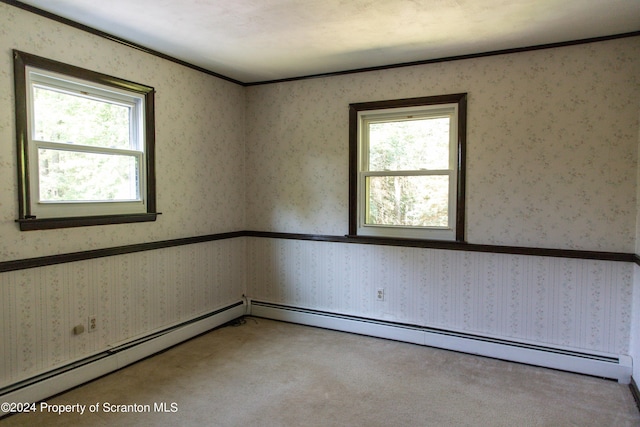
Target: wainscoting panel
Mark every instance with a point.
(571, 304)
(634, 344)
(131, 295)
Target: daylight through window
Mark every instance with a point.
(88, 144)
(407, 178)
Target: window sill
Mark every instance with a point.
(27, 224)
(403, 241)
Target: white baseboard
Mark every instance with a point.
(36, 389)
(80, 372)
(617, 367)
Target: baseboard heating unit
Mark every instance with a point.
(618, 367)
(81, 371)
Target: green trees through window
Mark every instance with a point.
(407, 168)
(67, 174)
(411, 145)
(86, 144)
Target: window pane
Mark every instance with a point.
(418, 201)
(78, 176)
(409, 144)
(74, 119)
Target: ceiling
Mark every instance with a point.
(264, 40)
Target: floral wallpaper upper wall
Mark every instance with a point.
(199, 141)
(552, 145)
(637, 248)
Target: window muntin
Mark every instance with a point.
(106, 121)
(407, 201)
(77, 176)
(417, 143)
(86, 144)
(408, 182)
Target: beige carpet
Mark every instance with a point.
(267, 373)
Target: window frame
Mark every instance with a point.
(114, 213)
(357, 195)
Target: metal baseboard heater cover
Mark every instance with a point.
(618, 367)
(79, 372)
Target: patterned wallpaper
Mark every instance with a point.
(552, 158)
(552, 143)
(569, 303)
(199, 141)
(634, 344)
(130, 295)
(200, 180)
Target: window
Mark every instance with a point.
(85, 146)
(407, 168)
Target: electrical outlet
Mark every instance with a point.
(93, 324)
(380, 294)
